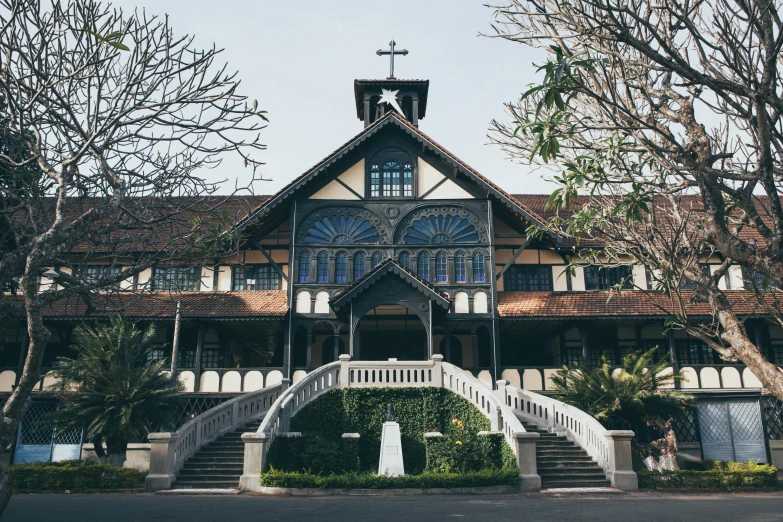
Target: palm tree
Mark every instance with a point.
(113, 389)
(632, 398)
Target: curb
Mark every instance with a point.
(315, 492)
(76, 491)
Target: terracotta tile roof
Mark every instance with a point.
(537, 203)
(162, 305)
(633, 303)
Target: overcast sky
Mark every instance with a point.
(299, 60)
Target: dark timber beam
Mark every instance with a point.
(269, 258)
(513, 258)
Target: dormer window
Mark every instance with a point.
(391, 174)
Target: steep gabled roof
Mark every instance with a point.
(392, 118)
(373, 276)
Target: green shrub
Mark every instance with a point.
(73, 475)
(488, 477)
(449, 454)
(363, 411)
(725, 476)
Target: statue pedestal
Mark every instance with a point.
(391, 451)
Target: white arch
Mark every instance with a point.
(254, 380)
(188, 380)
(461, 305)
(480, 303)
(7, 380)
(232, 381)
(210, 382)
(274, 377)
(322, 303)
(304, 302)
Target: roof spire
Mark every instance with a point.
(391, 52)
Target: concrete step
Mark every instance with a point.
(569, 466)
(568, 474)
(203, 472)
(555, 443)
(574, 483)
(211, 478)
(200, 460)
(560, 450)
(218, 484)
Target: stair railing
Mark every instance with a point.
(169, 451)
(611, 449)
(346, 373)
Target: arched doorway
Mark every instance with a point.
(390, 332)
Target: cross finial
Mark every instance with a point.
(391, 52)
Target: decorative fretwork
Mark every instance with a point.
(441, 226)
(37, 428)
(191, 407)
(772, 414)
(686, 426)
(341, 227)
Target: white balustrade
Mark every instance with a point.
(606, 447)
(169, 451)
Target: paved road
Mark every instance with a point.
(615, 507)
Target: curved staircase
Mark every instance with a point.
(217, 465)
(563, 464)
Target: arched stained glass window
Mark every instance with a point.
(478, 267)
(441, 268)
(304, 267)
(376, 259)
(460, 272)
(405, 260)
(424, 266)
(358, 266)
(323, 268)
(341, 267)
(440, 229)
(341, 230)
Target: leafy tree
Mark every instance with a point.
(119, 119)
(633, 399)
(112, 389)
(668, 116)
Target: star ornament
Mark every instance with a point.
(390, 97)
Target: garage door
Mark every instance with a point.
(731, 430)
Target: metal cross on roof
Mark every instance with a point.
(391, 52)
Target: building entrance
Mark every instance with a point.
(390, 332)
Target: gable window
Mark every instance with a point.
(255, 277)
(322, 273)
(304, 267)
(358, 266)
(441, 268)
(391, 174)
(605, 277)
(376, 259)
(405, 260)
(341, 267)
(478, 267)
(95, 273)
(460, 272)
(177, 279)
(528, 278)
(424, 266)
(754, 280)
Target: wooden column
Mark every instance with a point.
(673, 355)
(336, 344)
(175, 343)
(474, 347)
(309, 361)
(197, 366)
(583, 331)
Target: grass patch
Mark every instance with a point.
(426, 480)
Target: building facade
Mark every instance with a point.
(393, 248)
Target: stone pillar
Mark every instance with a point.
(525, 448)
(776, 456)
(621, 473)
(345, 375)
(161, 474)
(256, 447)
(437, 370)
(500, 391)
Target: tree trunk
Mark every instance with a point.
(117, 451)
(5, 490)
(735, 334)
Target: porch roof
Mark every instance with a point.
(389, 265)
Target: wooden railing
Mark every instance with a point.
(169, 451)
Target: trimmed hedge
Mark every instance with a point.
(449, 454)
(363, 411)
(73, 475)
(474, 479)
(725, 476)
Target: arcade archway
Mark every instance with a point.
(390, 332)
